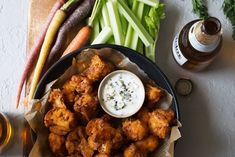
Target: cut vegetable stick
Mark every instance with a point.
(34, 52)
(102, 24)
(150, 52)
(152, 3)
(135, 23)
(49, 38)
(140, 47)
(104, 36)
(129, 34)
(105, 15)
(95, 30)
(79, 41)
(130, 30)
(135, 36)
(111, 40)
(97, 7)
(116, 23)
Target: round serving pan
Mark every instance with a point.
(151, 69)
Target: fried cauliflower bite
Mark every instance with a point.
(98, 69)
(148, 144)
(76, 143)
(101, 155)
(160, 121)
(86, 150)
(134, 129)
(143, 115)
(102, 136)
(106, 147)
(86, 106)
(153, 94)
(56, 143)
(56, 99)
(133, 151)
(60, 121)
(75, 155)
(77, 84)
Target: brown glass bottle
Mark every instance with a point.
(198, 43)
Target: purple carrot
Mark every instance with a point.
(34, 52)
(79, 14)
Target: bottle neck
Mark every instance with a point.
(201, 40)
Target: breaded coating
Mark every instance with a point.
(98, 69)
(160, 121)
(56, 143)
(75, 155)
(56, 99)
(60, 121)
(86, 106)
(148, 144)
(102, 136)
(133, 151)
(143, 115)
(134, 129)
(86, 150)
(78, 84)
(101, 155)
(153, 94)
(106, 147)
(76, 143)
(118, 155)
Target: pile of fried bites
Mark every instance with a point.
(79, 127)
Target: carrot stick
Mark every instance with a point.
(80, 40)
(33, 54)
(81, 12)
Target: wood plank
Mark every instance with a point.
(37, 14)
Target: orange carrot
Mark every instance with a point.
(79, 41)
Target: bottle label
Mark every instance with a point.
(199, 46)
(179, 57)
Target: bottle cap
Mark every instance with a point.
(184, 86)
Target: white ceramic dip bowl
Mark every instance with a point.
(121, 94)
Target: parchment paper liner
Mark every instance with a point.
(38, 108)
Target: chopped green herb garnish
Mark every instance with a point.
(229, 12)
(200, 8)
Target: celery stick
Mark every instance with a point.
(104, 36)
(140, 46)
(111, 40)
(135, 36)
(150, 52)
(115, 22)
(129, 34)
(102, 23)
(130, 3)
(95, 11)
(124, 24)
(135, 23)
(152, 20)
(130, 30)
(95, 30)
(105, 15)
(152, 3)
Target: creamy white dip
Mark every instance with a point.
(121, 93)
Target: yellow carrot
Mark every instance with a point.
(48, 41)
